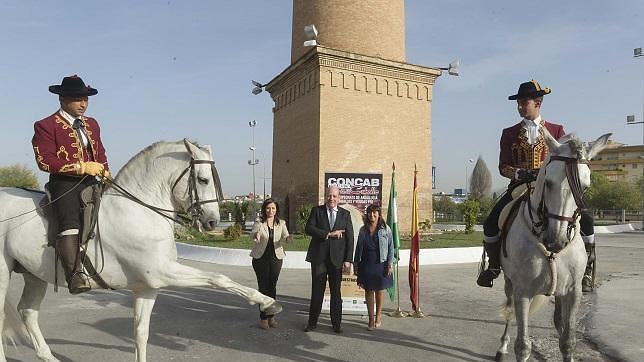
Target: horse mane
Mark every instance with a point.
(146, 151)
(152, 148)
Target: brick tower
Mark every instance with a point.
(351, 104)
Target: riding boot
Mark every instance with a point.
(587, 281)
(486, 277)
(67, 247)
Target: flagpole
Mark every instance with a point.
(398, 313)
(392, 219)
(417, 313)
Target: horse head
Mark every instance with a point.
(562, 181)
(197, 189)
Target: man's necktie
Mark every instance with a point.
(331, 218)
(79, 128)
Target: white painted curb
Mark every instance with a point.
(295, 259)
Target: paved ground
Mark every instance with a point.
(462, 322)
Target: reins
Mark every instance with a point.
(572, 175)
(46, 204)
(542, 213)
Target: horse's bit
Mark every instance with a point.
(572, 174)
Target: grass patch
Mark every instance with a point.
(451, 239)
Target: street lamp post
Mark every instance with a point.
(263, 157)
(253, 161)
(466, 175)
(637, 53)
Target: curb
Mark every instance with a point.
(296, 259)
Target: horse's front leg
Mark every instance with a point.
(567, 338)
(143, 304)
(522, 345)
(29, 307)
(180, 275)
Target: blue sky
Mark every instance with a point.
(166, 70)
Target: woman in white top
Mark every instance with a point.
(269, 232)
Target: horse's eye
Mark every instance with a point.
(202, 180)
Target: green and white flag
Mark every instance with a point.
(392, 221)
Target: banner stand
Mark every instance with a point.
(353, 301)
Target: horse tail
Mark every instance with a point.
(537, 302)
(507, 309)
(14, 329)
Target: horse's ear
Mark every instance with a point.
(597, 146)
(208, 149)
(552, 143)
(192, 149)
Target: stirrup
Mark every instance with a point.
(486, 278)
(77, 283)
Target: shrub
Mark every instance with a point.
(18, 176)
(233, 232)
(470, 212)
(303, 213)
(425, 226)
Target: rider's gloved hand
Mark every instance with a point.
(91, 168)
(526, 174)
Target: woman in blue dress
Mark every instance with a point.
(373, 262)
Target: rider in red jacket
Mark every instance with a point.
(523, 150)
(68, 146)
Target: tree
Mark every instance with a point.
(471, 209)
(18, 176)
(444, 205)
(617, 195)
(480, 181)
(486, 204)
(250, 209)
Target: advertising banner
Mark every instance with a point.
(359, 190)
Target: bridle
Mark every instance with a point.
(572, 175)
(195, 210)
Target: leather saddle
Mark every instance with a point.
(506, 213)
(90, 203)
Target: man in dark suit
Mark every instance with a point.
(330, 254)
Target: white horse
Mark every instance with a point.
(544, 254)
(137, 249)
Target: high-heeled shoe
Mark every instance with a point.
(272, 322)
(378, 322)
(263, 324)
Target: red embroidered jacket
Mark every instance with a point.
(58, 149)
(517, 153)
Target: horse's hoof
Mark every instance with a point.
(499, 356)
(273, 308)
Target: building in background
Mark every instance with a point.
(620, 162)
(351, 104)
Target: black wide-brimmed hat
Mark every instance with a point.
(73, 86)
(530, 89)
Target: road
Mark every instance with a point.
(462, 323)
